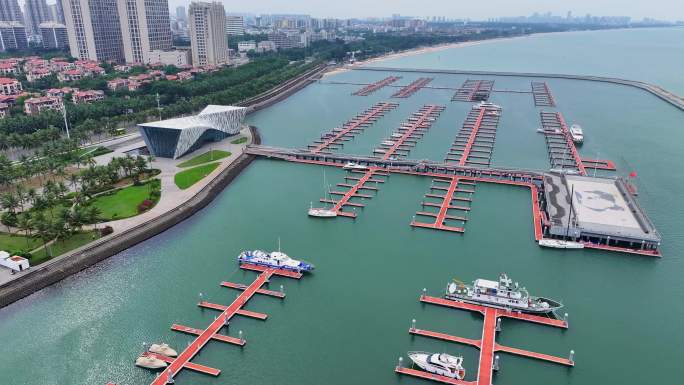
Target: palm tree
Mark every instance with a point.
(25, 224)
(9, 202)
(45, 229)
(73, 180)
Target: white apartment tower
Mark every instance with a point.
(145, 27)
(37, 12)
(10, 11)
(94, 29)
(207, 24)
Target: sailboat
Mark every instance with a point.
(321, 212)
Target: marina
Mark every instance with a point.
(412, 88)
(369, 89)
(542, 95)
(474, 143)
(473, 91)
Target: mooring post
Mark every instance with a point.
(169, 378)
(240, 336)
(282, 289)
(572, 356)
(400, 363)
(413, 324)
(565, 318)
(496, 362)
(498, 324)
(424, 293)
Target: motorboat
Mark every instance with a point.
(502, 294)
(577, 133)
(321, 212)
(163, 349)
(560, 244)
(439, 363)
(274, 259)
(354, 166)
(387, 143)
(397, 135)
(149, 361)
(487, 106)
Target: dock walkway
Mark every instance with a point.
(412, 88)
(473, 91)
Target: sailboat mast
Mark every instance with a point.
(572, 195)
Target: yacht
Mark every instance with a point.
(321, 212)
(502, 294)
(354, 166)
(149, 361)
(387, 143)
(274, 259)
(439, 363)
(487, 105)
(560, 244)
(163, 349)
(397, 135)
(576, 133)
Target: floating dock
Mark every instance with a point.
(487, 344)
(212, 332)
(474, 143)
(542, 95)
(400, 143)
(412, 88)
(334, 140)
(561, 149)
(373, 175)
(474, 91)
(369, 89)
(446, 191)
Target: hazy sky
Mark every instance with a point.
(474, 9)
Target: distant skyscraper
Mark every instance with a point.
(10, 11)
(12, 36)
(56, 12)
(235, 25)
(180, 14)
(36, 13)
(54, 35)
(207, 22)
(94, 30)
(145, 27)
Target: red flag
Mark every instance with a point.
(633, 174)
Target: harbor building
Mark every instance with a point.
(37, 12)
(174, 138)
(54, 35)
(94, 30)
(145, 27)
(207, 23)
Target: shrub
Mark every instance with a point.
(106, 230)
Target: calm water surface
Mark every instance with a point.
(347, 323)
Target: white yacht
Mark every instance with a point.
(321, 212)
(439, 363)
(397, 135)
(487, 105)
(274, 259)
(502, 294)
(149, 361)
(560, 244)
(387, 143)
(354, 166)
(163, 349)
(576, 133)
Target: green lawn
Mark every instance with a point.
(60, 247)
(187, 178)
(240, 140)
(123, 203)
(93, 150)
(16, 242)
(207, 157)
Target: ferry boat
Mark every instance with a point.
(502, 294)
(577, 134)
(354, 166)
(439, 363)
(487, 105)
(274, 259)
(148, 361)
(163, 349)
(560, 244)
(321, 212)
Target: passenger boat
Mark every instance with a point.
(149, 361)
(439, 363)
(274, 259)
(163, 349)
(502, 294)
(576, 133)
(321, 212)
(354, 166)
(560, 244)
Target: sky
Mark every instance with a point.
(458, 9)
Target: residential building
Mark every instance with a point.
(117, 84)
(285, 40)
(180, 14)
(265, 46)
(235, 25)
(94, 29)
(12, 36)
(145, 27)
(246, 46)
(207, 22)
(54, 35)
(9, 86)
(61, 92)
(8, 68)
(173, 57)
(37, 105)
(10, 11)
(36, 13)
(38, 73)
(4, 110)
(87, 96)
(71, 75)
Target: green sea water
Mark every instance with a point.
(348, 322)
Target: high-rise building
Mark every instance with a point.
(36, 13)
(180, 14)
(56, 13)
(12, 36)
(207, 22)
(10, 11)
(54, 35)
(145, 27)
(235, 25)
(94, 29)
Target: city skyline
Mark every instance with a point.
(661, 9)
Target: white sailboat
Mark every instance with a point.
(322, 212)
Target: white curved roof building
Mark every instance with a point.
(174, 138)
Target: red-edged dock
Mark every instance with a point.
(542, 95)
(371, 175)
(474, 143)
(487, 343)
(369, 89)
(473, 91)
(450, 187)
(561, 149)
(599, 164)
(412, 88)
(399, 144)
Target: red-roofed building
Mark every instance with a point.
(61, 92)
(37, 105)
(171, 77)
(60, 65)
(70, 75)
(9, 86)
(8, 68)
(184, 75)
(117, 84)
(37, 73)
(4, 110)
(88, 96)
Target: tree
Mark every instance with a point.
(25, 224)
(9, 202)
(45, 229)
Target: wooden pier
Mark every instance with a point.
(542, 95)
(412, 88)
(474, 143)
(487, 343)
(334, 140)
(474, 91)
(401, 141)
(369, 89)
